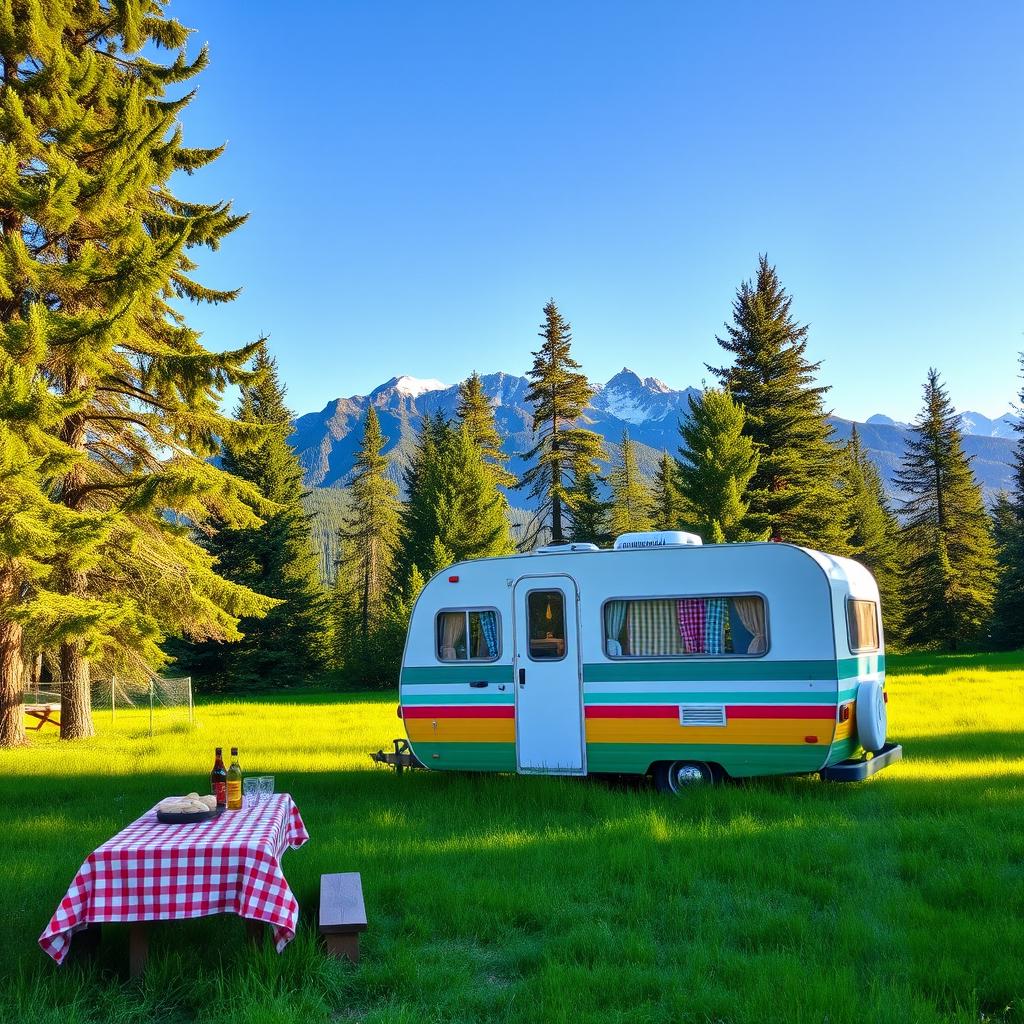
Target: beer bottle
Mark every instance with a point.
(219, 780)
(234, 783)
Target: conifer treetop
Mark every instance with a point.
(476, 413)
(564, 450)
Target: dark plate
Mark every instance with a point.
(187, 819)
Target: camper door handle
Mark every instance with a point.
(522, 677)
(479, 682)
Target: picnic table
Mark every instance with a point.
(45, 713)
(149, 871)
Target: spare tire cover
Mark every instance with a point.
(871, 715)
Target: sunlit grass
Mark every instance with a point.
(506, 898)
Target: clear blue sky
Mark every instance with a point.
(421, 177)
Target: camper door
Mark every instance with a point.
(549, 692)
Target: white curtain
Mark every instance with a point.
(453, 629)
(751, 613)
(614, 620)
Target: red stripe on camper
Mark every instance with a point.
(731, 711)
(632, 711)
(781, 711)
(460, 711)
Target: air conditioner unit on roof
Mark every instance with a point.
(656, 539)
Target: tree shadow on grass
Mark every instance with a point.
(935, 664)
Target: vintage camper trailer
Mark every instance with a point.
(660, 656)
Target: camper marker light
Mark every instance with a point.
(453, 579)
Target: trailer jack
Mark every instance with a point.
(401, 757)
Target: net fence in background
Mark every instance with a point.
(158, 704)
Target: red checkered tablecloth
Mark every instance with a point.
(155, 872)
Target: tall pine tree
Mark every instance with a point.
(564, 450)
(455, 510)
(419, 513)
(717, 462)
(631, 501)
(668, 509)
(875, 532)
(477, 415)
(366, 591)
(277, 559)
(1008, 616)
(951, 567)
(95, 250)
(795, 486)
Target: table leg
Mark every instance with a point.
(254, 931)
(138, 948)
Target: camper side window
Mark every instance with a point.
(679, 627)
(466, 635)
(862, 624)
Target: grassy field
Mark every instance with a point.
(530, 899)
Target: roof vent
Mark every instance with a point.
(564, 549)
(656, 539)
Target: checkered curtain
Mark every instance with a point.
(691, 617)
(489, 628)
(652, 628)
(714, 625)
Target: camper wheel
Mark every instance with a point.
(676, 777)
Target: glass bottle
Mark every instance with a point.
(234, 781)
(219, 780)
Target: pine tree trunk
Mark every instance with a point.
(12, 717)
(75, 695)
(556, 479)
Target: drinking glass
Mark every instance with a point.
(251, 791)
(266, 786)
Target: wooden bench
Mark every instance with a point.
(342, 914)
(47, 714)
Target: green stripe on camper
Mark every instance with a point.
(861, 665)
(479, 757)
(440, 699)
(640, 671)
(739, 760)
(727, 671)
(472, 673)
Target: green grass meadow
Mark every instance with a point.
(507, 898)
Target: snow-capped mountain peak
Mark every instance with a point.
(632, 399)
(414, 386)
(410, 387)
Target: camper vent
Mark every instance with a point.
(562, 549)
(656, 539)
(702, 714)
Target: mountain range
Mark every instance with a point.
(650, 410)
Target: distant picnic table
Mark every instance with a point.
(47, 714)
(150, 871)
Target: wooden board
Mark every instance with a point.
(341, 903)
